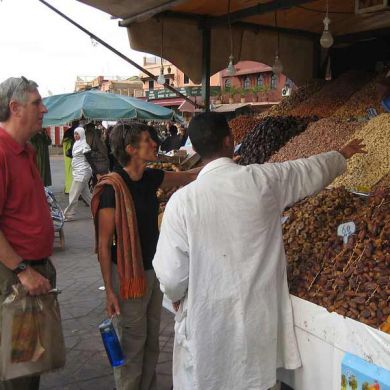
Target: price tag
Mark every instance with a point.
(345, 230)
(284, 219)
(372, 113)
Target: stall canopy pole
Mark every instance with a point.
(118, 53)
(206, 54)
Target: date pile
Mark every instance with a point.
(269, 136)
(333, 95)
(241, 126)
(353, 279)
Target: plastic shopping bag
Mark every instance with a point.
(31, 334)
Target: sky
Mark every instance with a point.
(39, 44)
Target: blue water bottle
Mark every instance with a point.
(111, 343)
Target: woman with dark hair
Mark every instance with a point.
(125, 210)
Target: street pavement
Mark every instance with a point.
(83, 307)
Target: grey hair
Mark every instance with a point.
(14, 88)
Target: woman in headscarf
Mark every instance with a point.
(82, 172)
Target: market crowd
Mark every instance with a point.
(219, 256)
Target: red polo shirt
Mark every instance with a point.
(25, 219)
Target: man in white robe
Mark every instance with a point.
(221, 254)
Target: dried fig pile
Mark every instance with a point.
(269, 136)
(323, 136)
(241, 126)
(333, 95)
(353, 279)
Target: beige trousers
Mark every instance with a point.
(138, 328)
(7, 279)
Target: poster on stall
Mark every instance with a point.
(359, 374)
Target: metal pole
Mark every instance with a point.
(118, 53)
(206, 48)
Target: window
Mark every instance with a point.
(260, 80)
(274, 81)
(186, 79)
(247, 83)
(228, 83)
(151, 84)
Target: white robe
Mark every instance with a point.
(221, 252)
(81, 170)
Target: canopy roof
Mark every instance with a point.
(98, 105)
(299, 23)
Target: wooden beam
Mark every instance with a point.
(204, 22)
(362, 35)
(258, 9)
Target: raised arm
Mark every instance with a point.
(294, 180)
(179, 179)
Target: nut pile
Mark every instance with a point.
(359, 103)
(241, 126)
(322, 136)
(269, 136)
(333, 95)
(296, 97)
(354, 279)
(365, 170)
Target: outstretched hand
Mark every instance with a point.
(353, 147)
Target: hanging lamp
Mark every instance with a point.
(231, 71)
(277, 67)
(326, 40)
(161, 78)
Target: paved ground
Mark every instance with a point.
(82, 308)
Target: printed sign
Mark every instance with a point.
(345, 230)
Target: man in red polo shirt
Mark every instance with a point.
(26, 228)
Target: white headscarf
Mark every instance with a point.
(81, 144)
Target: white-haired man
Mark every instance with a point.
(26, 228)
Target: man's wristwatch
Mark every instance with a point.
(21, 267)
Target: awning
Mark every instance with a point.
(255, 36)
(167, 102)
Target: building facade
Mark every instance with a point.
(118, 85)
(254, 81)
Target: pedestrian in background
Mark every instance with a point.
(81, 172)
(41, 142)
(67, 145)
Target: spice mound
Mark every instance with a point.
(323, 136)
(352, 279)
(333, 95)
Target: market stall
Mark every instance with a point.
(339, 284)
